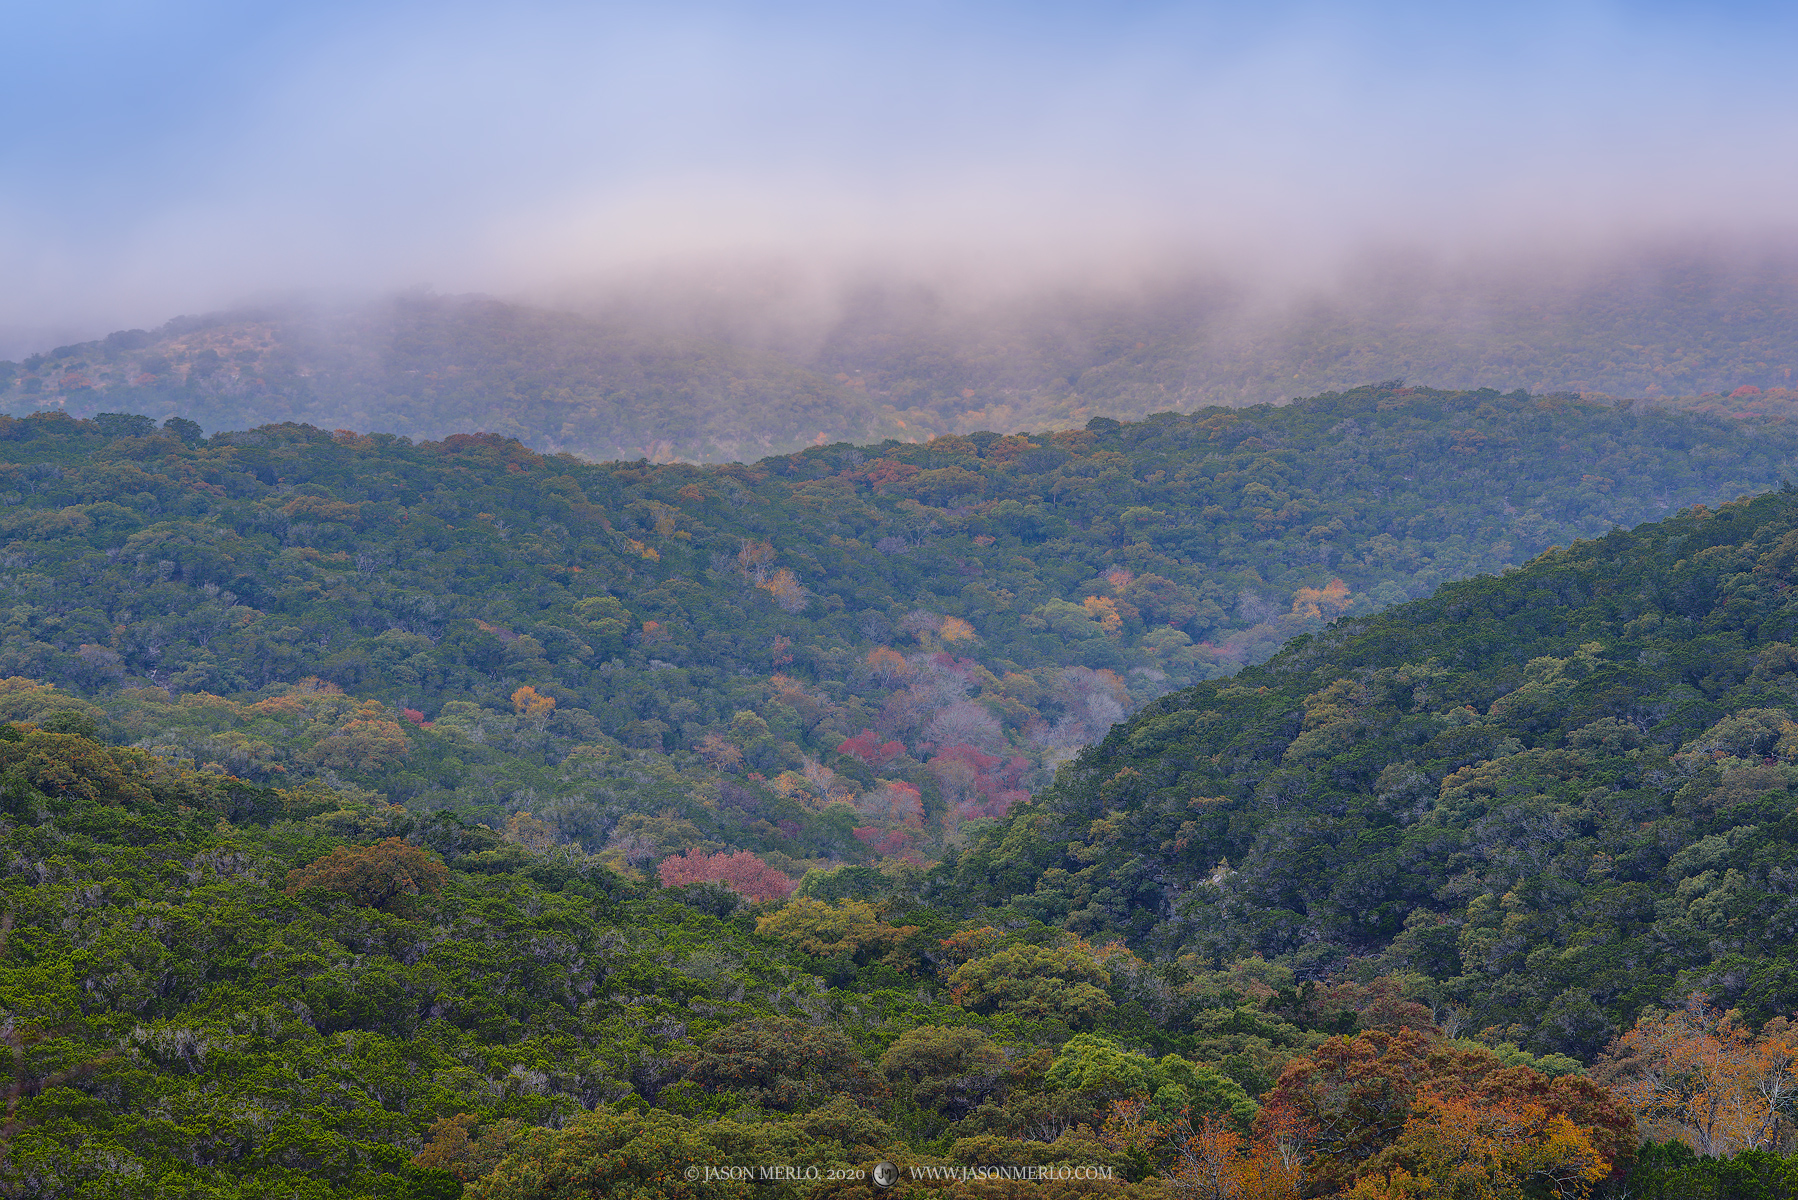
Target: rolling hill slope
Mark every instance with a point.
(1560, 794)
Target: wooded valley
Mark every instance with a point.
(1337, 798)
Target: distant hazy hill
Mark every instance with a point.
(1661, 328)
(734, 376)
(429, 366)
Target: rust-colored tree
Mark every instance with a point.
(782, 652)
(1364, 1106)
(742, 872)
(1474, 1148)
(364, 743)
(376, 875)
(1703, 1077)
(456, 1147)
(1207, 1160)
(719, 753)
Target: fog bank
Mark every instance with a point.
(183, 159)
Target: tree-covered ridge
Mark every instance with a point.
(842, 652)
(1661, 326)
(719, 375)
(426, 367)
(1560, 794)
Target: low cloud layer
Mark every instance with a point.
(194, 156)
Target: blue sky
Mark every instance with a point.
(167, 157)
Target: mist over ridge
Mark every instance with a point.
(715, 230)
(739, 360)
(530, 151)
(1164, 600)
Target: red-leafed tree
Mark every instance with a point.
(894, 843)
(892, 803)
(868, 748)
(742, 872)
(976, 784)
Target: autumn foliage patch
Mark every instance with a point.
(743, 872)
(373, 875)
(867, 747)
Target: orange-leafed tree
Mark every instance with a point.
(887, 665)
(1104, 610)
(1214, 1163)
(1322, 604)
(533, 706)
(954, 629)
(1348, 1104)
(1702, 1076)
(1472, 1147)
(786, 589)
(376, 875)
(1209, 1160)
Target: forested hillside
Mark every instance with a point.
(221, 990)
(1556, 795)
(842, 653)
(215, 988)
(430, 820)
(722, 374)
